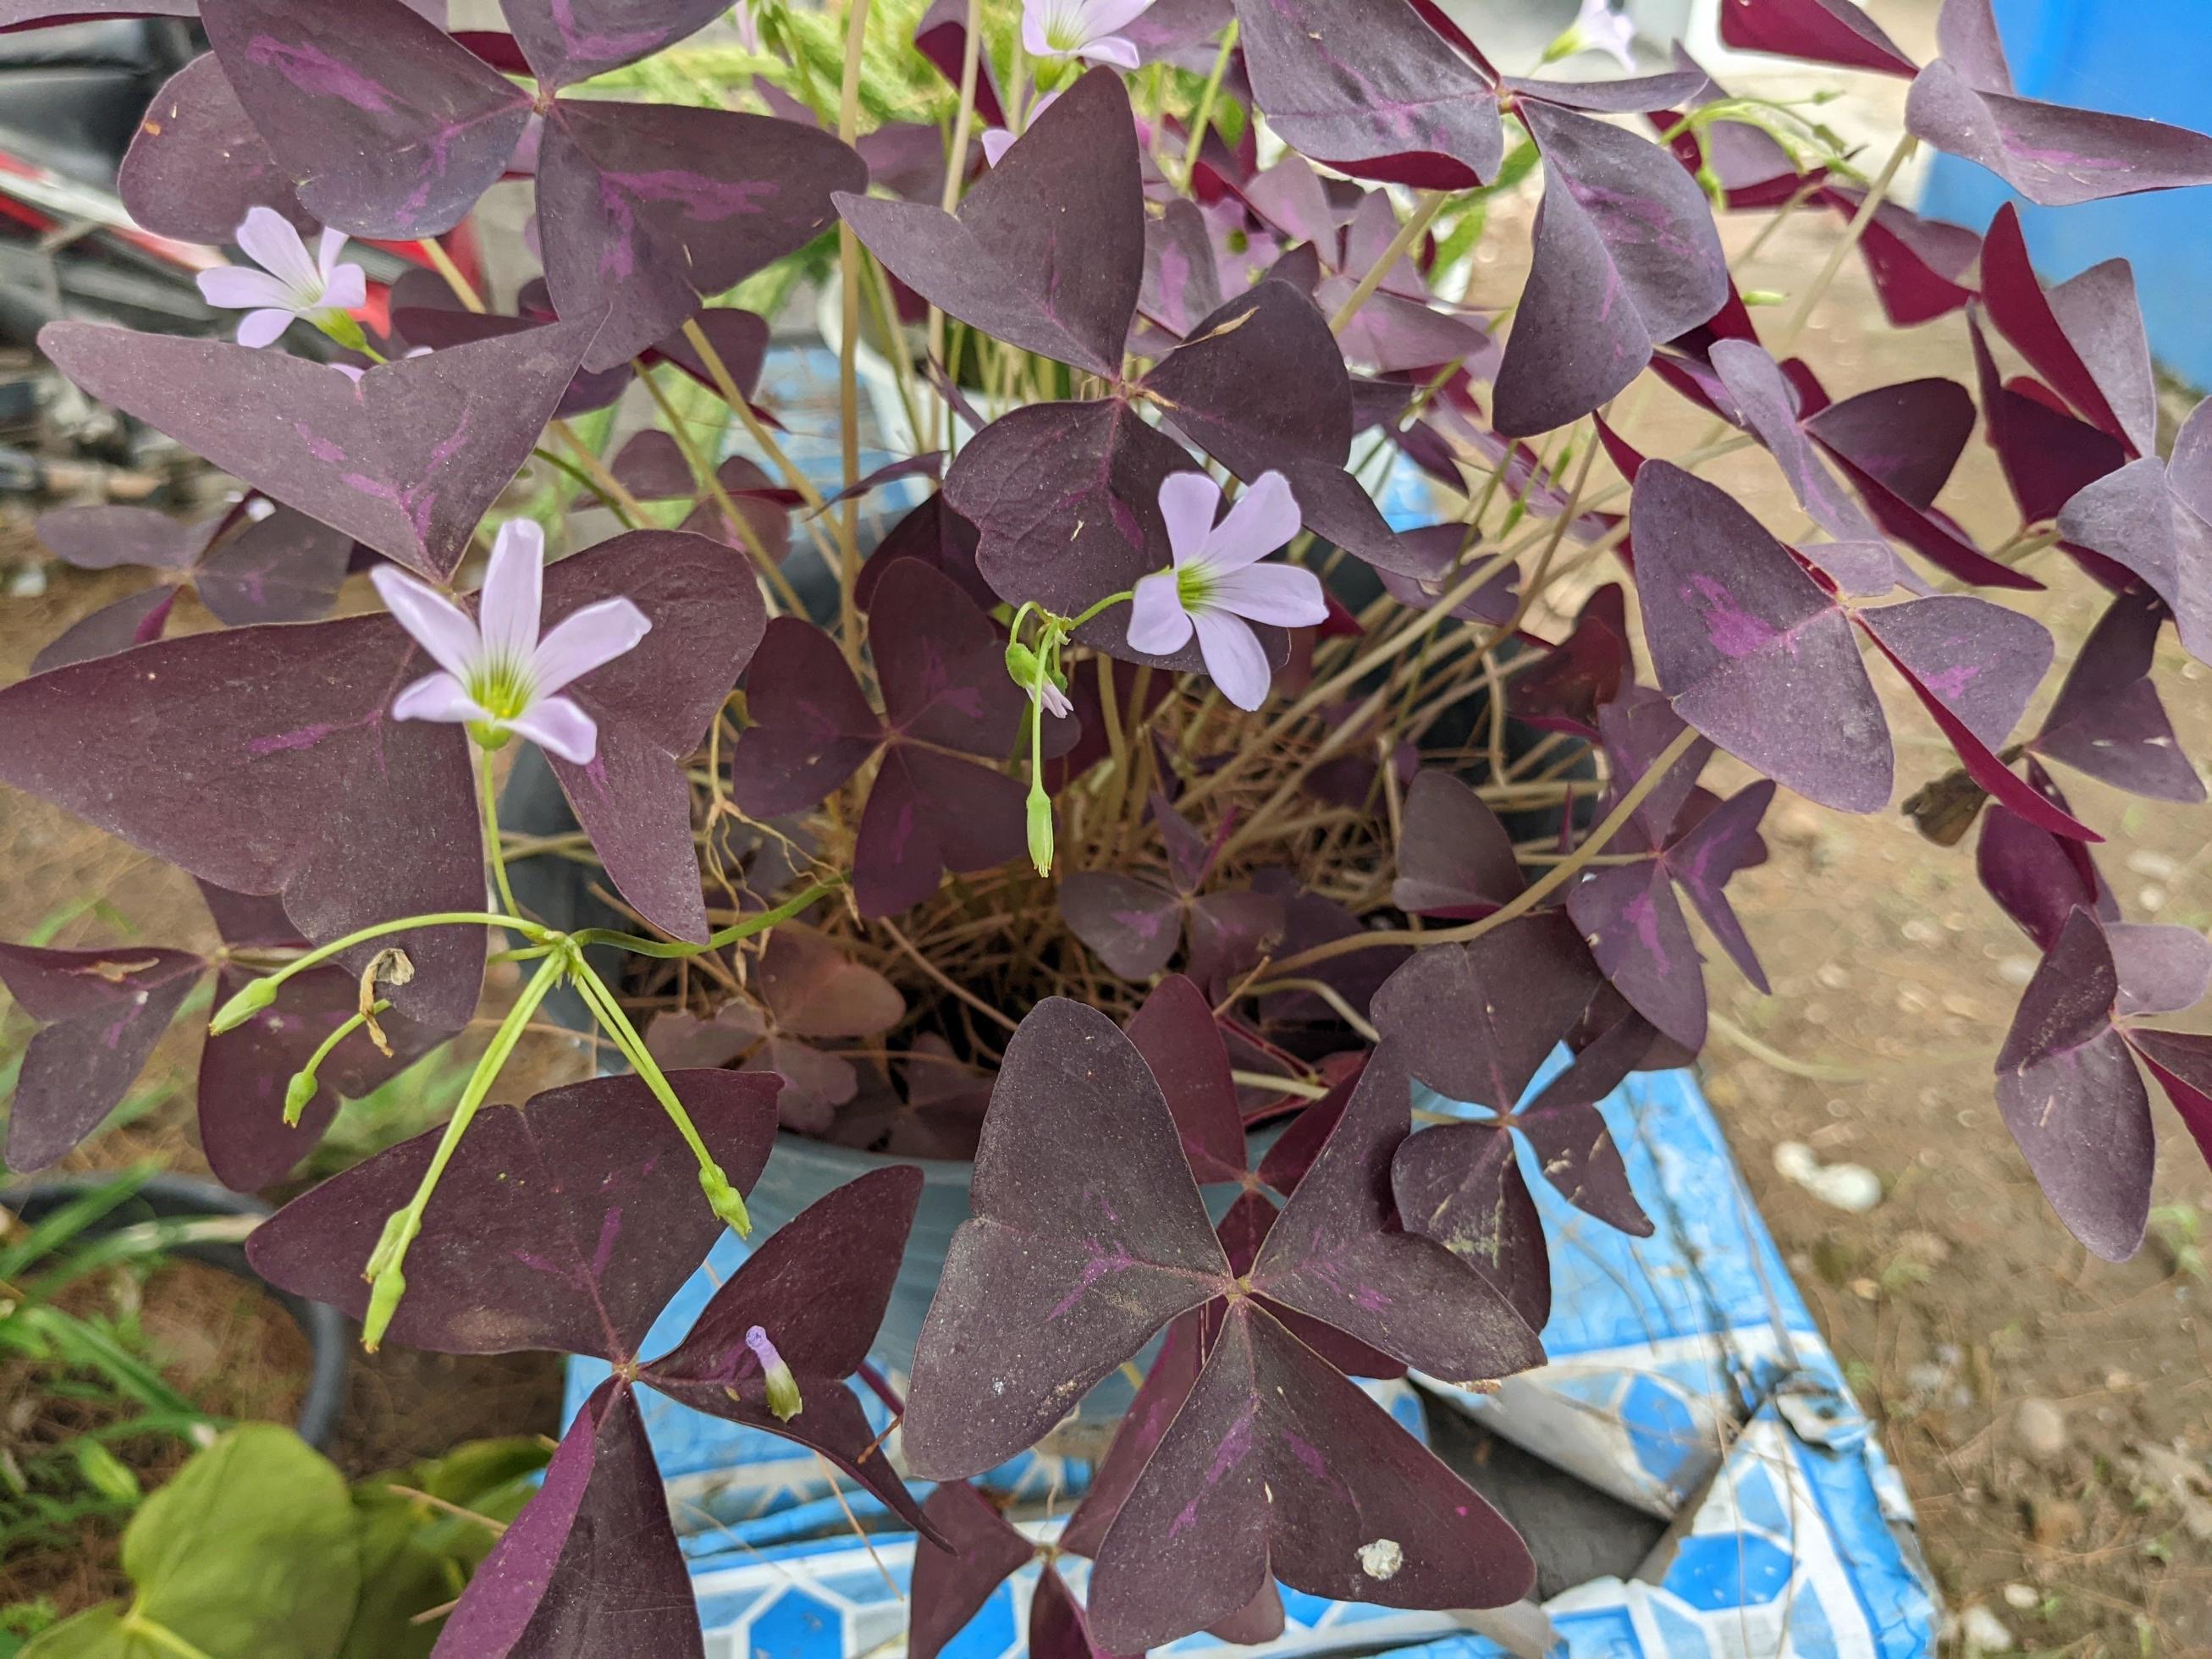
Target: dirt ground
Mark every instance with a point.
(2051, 1413)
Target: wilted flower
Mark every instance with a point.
(1082, 29)
(495, 674)
(1600, 25)
(1217, 586)
(782, 1387)
(291, 282)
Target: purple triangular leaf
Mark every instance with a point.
(1278, 1464)
(2182, 1063)
(1048, 250)
(939, 537)
(654, 705)
(106, 537)
(2073, 1099)
(100, 1014)
(1726, 840)
(1371, 90)
(1825, 31)
(441, 329)
(565, 1224)
(1751, 650)
(941, 664)
(2157, 521)
(571, 40)
(1635, 95)
(1918, 265)
(1627, 256)
(1635, 930)
(1133, 925)
(406, 458)
(1261, 384)
(135, 619)
(2163, 969)
(1166, 1385)
(2048, 456)
(2101, 320)
(2036, 877)
(1636, 729)
(198, 163)
(1454, 858)
(1334, 1253)
(646, 208)
(816, 1287)
(282, 566)
(812, 726)
(1461, 1185)
(941, 36)
(1089, 1235)
(950, 1585)
(2108, 721)
(815, 990)
(1058, 1627)
(1181, 282)
(1564, 691)
(929, 812)
(1576, 1151)
(392, 128)
(1175, 1032)
(208, 751)
(2023, 314)
(1762, 396)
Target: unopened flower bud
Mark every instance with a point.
(297, 1094)
(1021, 664)
(1040, 829)
(251, 999)
(725, 1200)
(384, 1293)
(782, 1387)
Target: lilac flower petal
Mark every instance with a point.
(328, 246)
(271, 242)
(262, 328)
(1112, 16)
(1158, 625)
(1288, 595)
(439, 626)
(237, 287)
(996, 142)
(348, 288)
(584, 640)
(509, 609)
(1234, 658)
(439, 697)
(1188, 501)
(1265, 517)
(1033, 36)
(559, 727)
(1112, 50)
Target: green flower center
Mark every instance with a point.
(502, 685)
(1193, 585)
(1063, 32)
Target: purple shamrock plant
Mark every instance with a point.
(1141, 815)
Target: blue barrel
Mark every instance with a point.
(2148, 57)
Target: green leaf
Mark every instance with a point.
(252, 1549)
(96, 1634)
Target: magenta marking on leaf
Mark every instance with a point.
(319, 74)
(1316, 1464)
(1097, 1267)
(1643, 915)
(1734, 631)
(307, 736)
(601, 47)
(1950, 683)
(320, 448)
(711, 200)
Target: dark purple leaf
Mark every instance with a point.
(1261, 384)
(1825, 31)
(197, 162)
(1133, 925)
(1181, 282)
(1174, 1031)
(1454, 858)
(1461, 1185)
(390, 128)
(941, 539)
(407, 459)
(1641, 940)
(1918, 265)
(942, 37)
(2038, 877)
(1637, 729)
(441, 329)
(930, 812)
(1573, 1146)
(1750, 650)
(2163, 969)
(2073, 1099)
(1726, 840)
(1166, 1386)
(135, 619)
(1058, 1627)
(818, 1287)
(1048, 250)
(281, 566)
(2023, 314)
(1371, 90)
(1475, 1021)
(1089, 1235)
(2157, 521)
(104, 537)
(2108, 721)
(1586, 669)
(1277, 1464)
(941, 662)
(1626, 255)
(654, 705)
(815, 990)
(646, 208)
(812, 726)
(1762, 396)
(1964, 104)
(950, 1585)
(2047, 455)
(565, 1224)
(2101, 320)
(2182, 1063)
(740, 338)
(100, 1014)
(571, 40)
(218, 752)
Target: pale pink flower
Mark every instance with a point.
(997, 140)
(291, 282)
(748, 28)
(496, 675)
(1600, 25)
(1217, 587)
(1082, 29)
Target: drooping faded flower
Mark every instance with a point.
(1217, 587)
(1082, 29)
(1600, 25)
(496, 676)
(292, 282)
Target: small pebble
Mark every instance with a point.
(2038, 1428)
(2021, 1598)
(1849, 1187)
(2156, 865)
(1981, 1630)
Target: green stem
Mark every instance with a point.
(488, 791)
(138, 1623)
(259, 994)
(1110, 600)
(1204, 116)
(296, 1096)
(388, 1284)
(726, 1202)
(637, 946)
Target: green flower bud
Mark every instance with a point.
(384, 1293)
(725, 1200)
(1022, 664)
(297, 1094)
(782, 1387)
(1040, 827)
(257, 994)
